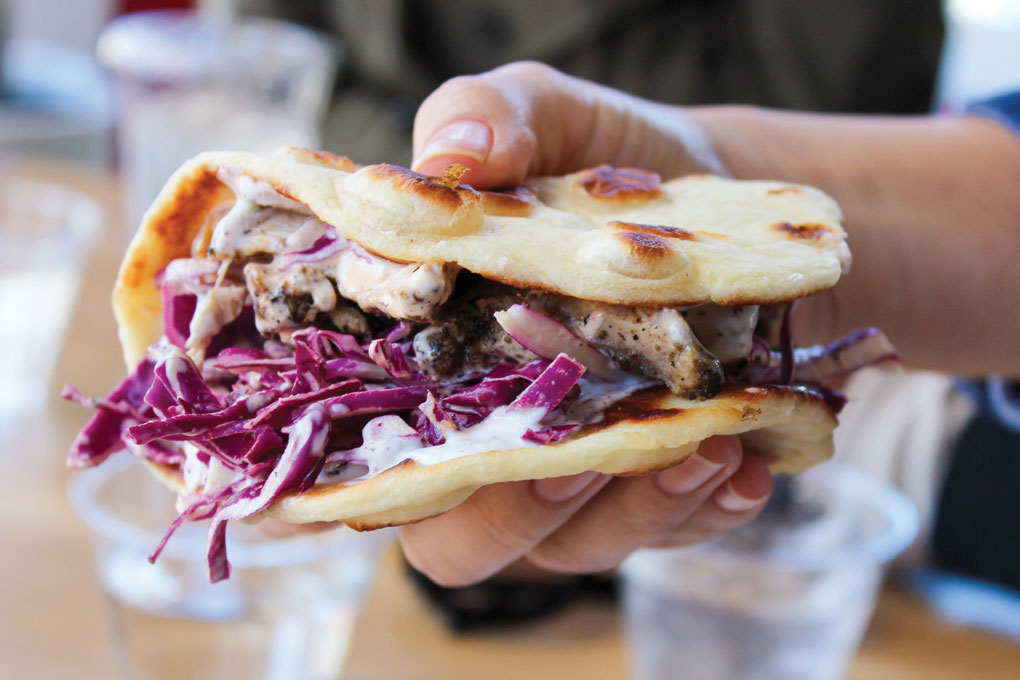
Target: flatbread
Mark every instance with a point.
(614, 236)
(719, 234)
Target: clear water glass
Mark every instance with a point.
(787, 597)
(187, 83)
(45, 233)
(286, 612)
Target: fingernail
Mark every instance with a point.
(559, 489)
(728, 499)
(688, 475)
(469, 138)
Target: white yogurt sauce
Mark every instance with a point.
(262, 221)
(388, 440)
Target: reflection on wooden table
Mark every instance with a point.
(54, 626)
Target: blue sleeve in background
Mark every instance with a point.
(1004, 109)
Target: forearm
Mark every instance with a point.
(932, 207)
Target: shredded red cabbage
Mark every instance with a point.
(272, 417)
(552, 386)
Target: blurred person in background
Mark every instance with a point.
(864, 57)
(868, 56)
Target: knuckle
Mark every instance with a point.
(638, 519)
(457, 94)
(437, 566)
(502, 530)
(457, 84)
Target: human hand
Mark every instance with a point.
(527, 119)
(590, 522)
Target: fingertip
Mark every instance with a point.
(749, 487)
(721, 449)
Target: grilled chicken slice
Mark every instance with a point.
(653, 342)
(294, 288)
(466, 337)
(286, 299)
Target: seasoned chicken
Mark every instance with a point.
(313, 266)
(653, 342)
(466, 337)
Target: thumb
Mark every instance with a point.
(527, 119)
(488, 123)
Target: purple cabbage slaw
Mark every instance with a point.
(273, 421)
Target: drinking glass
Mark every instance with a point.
(787, 597)
(286, 612)
(45, 233)
(187, 83)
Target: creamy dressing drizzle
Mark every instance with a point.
(202, 479)
(175, 363)
(389, 441)
(214, 309)
(263, 221)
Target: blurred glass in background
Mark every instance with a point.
(286, 612)
(45, 235)
(53, 96)
(787, 597)
(189, 82)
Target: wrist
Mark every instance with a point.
(741, 140)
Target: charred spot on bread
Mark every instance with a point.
(642, 406)
(808, 231)
(619, 184)
(431, 189)
(655, 229)
(177, 224)
(644, 245)
(784, 190)
(510, 202)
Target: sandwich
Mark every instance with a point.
(312, 340)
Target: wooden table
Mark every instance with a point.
(52, 619)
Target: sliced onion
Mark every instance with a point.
(547, 337)
(832, 362)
